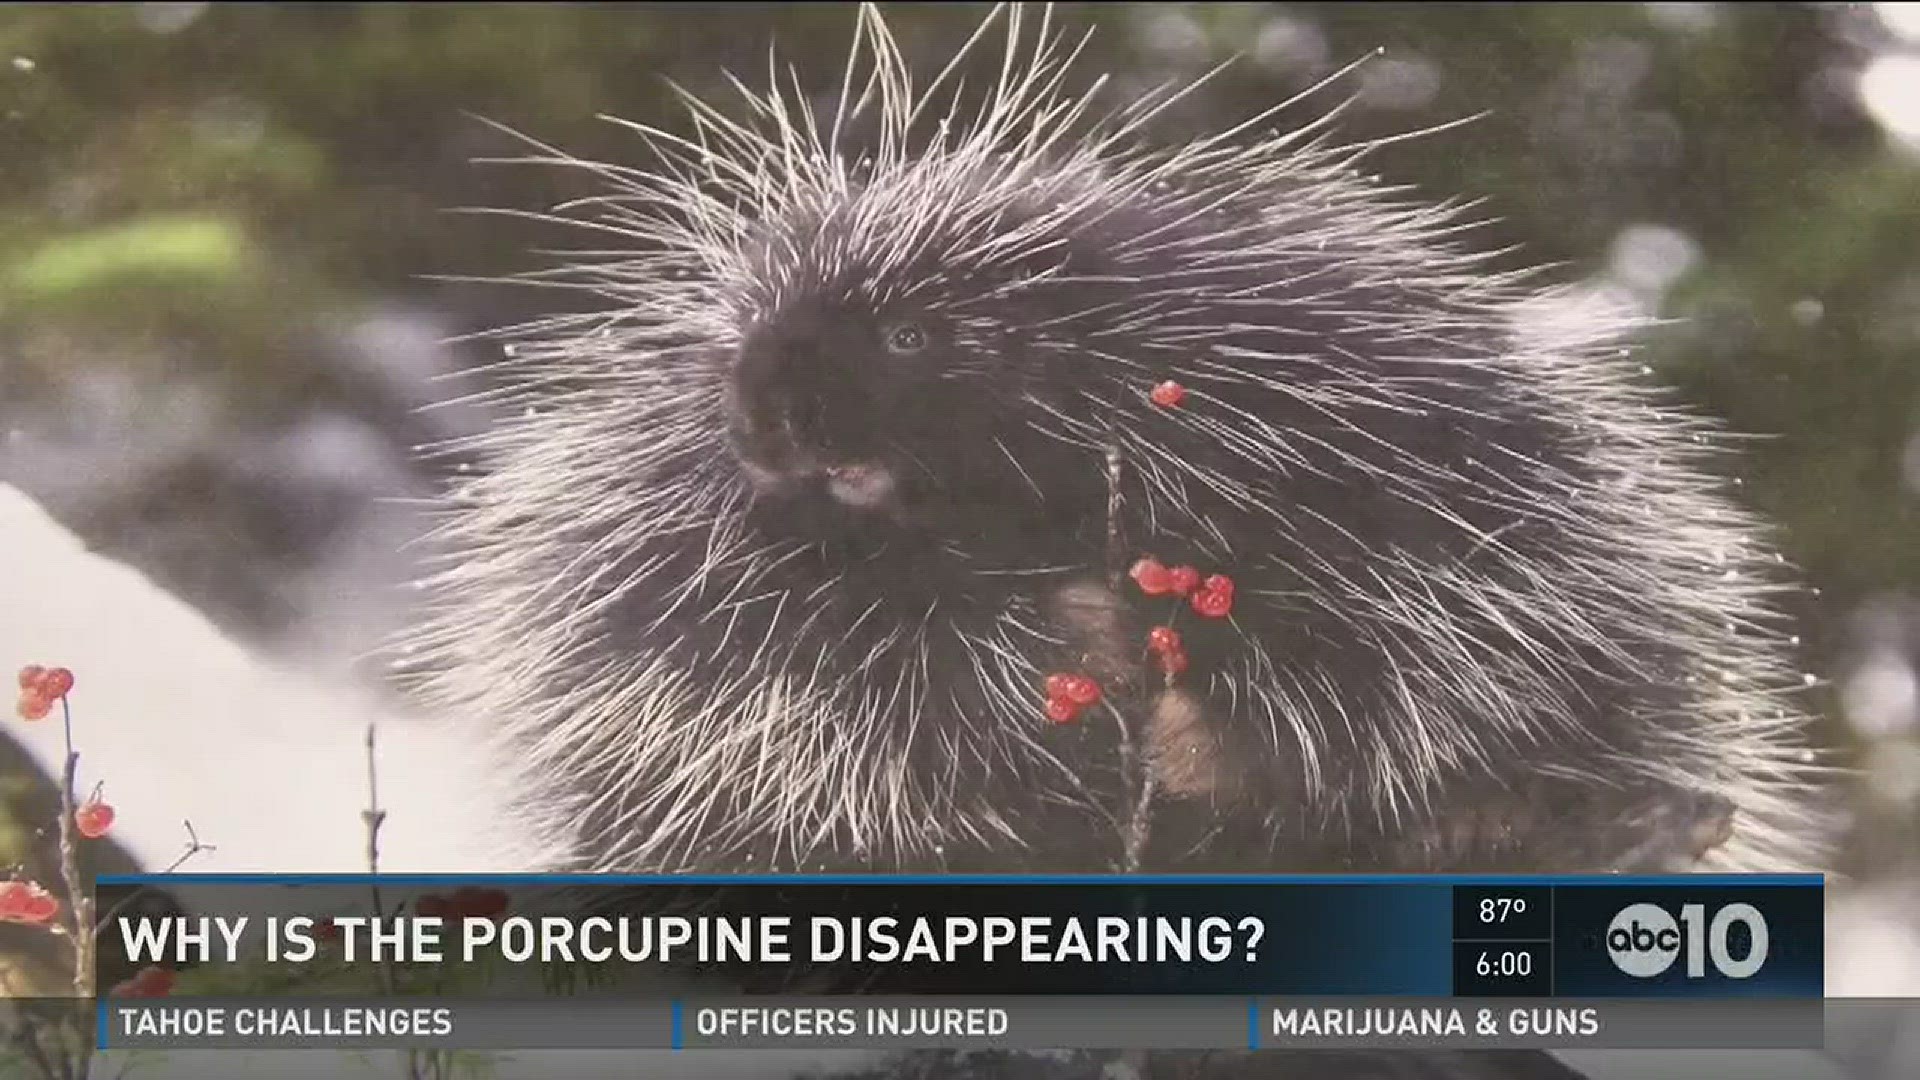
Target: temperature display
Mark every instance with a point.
(1502, 913)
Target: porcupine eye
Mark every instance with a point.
(906, 338)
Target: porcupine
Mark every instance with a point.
(773, 570)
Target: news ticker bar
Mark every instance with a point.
(1003, 1023)
(1600, 936)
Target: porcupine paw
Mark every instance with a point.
(1096, 625)
(1677, 830)
(1144, 666)
(1664, 830)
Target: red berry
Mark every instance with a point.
(93, 819)
(1174, 662)
(1153, 578)
(1057, 685)
(1219, 583)
(26, 902)
(1082, 691)
(1185, 579)
(42, 907)
(1163, 639)
(1062, 711)
(31, 675)
(151, 981)
(56, 682)
(1213, 605)
(34, 705)
(1168, 395)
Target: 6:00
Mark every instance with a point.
(1505, 963)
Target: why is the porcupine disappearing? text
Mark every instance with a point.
(884, 939)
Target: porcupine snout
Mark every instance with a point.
(806, 422)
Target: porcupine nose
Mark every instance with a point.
(797, 415)
(784, 382)
(805, 422)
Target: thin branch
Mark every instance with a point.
(79, 900)
(1116, 552)
(1136, 817)
(374, 817)
(194, 847)
(418, 1064)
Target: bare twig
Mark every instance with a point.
(374, 817)
(1137, 816)
(194, 847)
(1116, 539)
(79, 899)
(1136, 820)
(417, 1064)
(77, 1059)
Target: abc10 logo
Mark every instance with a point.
(1645, 941)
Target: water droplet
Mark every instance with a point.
(1809, 679)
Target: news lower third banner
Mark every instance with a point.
(1141, 962)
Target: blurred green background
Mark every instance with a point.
(220, 226)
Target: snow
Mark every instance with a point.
(184, 725)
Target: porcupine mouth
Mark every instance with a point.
(855, 506)
(860, 486)
(829, 475)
